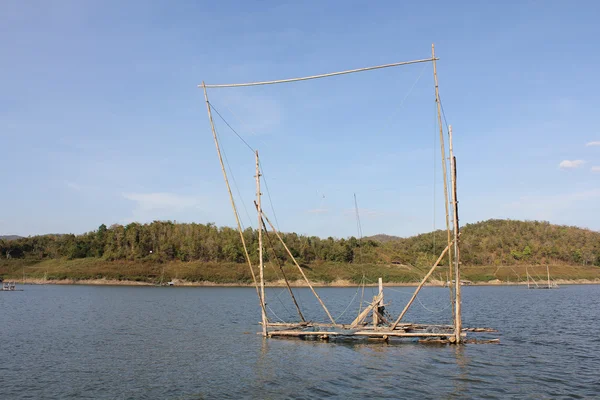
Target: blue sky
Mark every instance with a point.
(101, 120)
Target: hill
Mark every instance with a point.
(208, 253)
(383, 238)
(10, 237)
(509, 242)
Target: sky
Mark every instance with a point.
(102, 120)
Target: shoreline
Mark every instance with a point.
(280, 283)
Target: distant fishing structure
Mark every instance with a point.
(372, 322)
(532, 284)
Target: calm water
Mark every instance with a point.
(201, 343)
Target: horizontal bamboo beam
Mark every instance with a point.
(350, 71)
(361, 333)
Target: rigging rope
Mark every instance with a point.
(233, 130)
(268, 193)
(433, 311)
(273, 312)
(280, 293)
(349, 304)
(260, 164)
(389, 120)
(350, 71)
(234, 183)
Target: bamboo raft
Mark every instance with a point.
(372, 322)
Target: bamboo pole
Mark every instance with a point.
(444, 169)
(376, 319)
(366, 311)
(287, 283)
(261, 266)
(350, 71)
(414, 296)
(457, 305)
(237, 218)
(299, 268)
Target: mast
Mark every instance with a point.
(548, 271)
(237, 218)
(444, 169)
(260, 249)
(457, 308)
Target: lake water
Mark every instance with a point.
(61, 342)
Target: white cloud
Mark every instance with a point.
(318, 211)
(160, 205)
(593, 144)
(566, 164)
(596, 169)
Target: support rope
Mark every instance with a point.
(237, 189)
(233, 130)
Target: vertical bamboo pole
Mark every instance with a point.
(444, 168)
(261, 266)
(237, 218)
(379, 304)
(457, 306)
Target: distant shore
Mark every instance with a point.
(97, 271)
(281, 283)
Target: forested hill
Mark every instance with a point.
(508, 242)
(492, 242)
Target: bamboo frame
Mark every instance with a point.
(453, 333)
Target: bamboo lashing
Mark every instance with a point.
(237, 218)
(414, 296)
(299, 268)
(306, 78)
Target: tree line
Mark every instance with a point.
(492, 242)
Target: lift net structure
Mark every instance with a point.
(372, 321)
